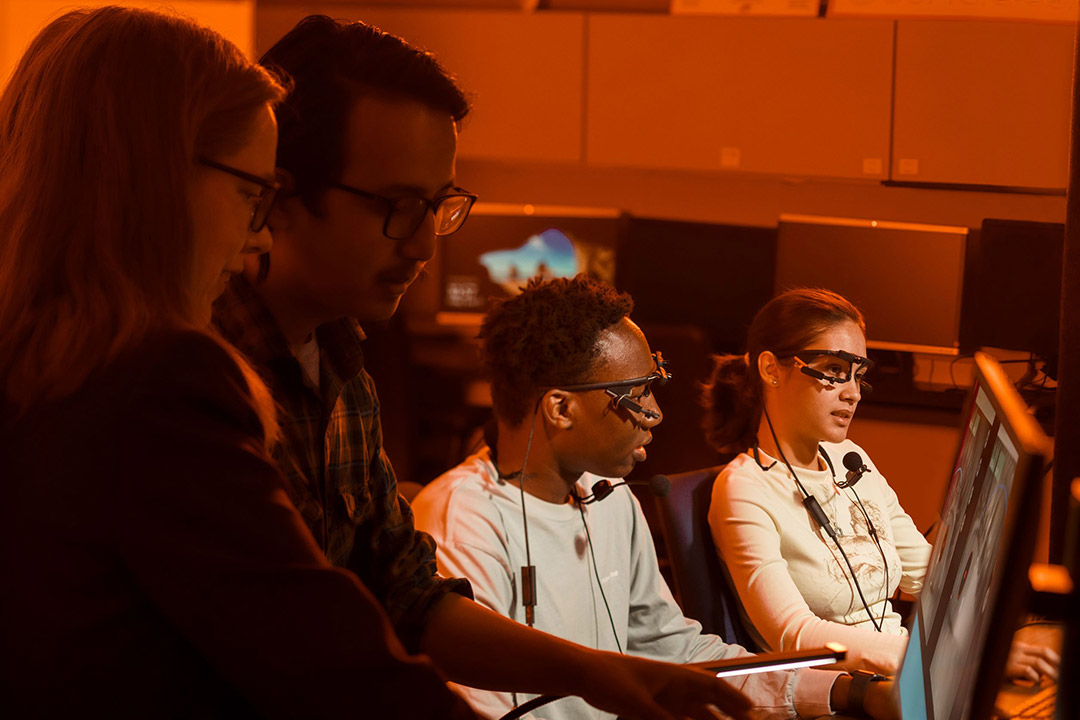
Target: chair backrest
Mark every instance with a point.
(701, 585)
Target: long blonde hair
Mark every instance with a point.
(100, 128)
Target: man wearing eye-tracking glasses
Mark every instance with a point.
(574, 386)
(366, 153)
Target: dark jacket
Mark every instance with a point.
(151, 564)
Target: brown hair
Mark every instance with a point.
(334, 62)
(733, 396)
(100, 127)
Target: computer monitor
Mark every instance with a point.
(1012, 287)
(905, 277)
(502, 246)
(1068, 701)
(976, 585)
(1068, 694)
(712, 276)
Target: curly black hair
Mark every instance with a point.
(545, 337)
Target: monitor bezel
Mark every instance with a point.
(789, 221)
(1018, 532)
(472, 319)
(1017, 546)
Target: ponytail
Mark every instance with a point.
(732, 401)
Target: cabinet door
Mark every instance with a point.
(983, 103)
(523, 71)
(765, 95)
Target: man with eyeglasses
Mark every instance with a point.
(531, 521)
(366, 152)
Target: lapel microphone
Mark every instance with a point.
(856, 468)
(659, 485)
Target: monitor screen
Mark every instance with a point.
(1012, 287)
(951, 526)
(712, 276)
(905, 277)
(963, 624)
(502, 246)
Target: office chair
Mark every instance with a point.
(701, 585)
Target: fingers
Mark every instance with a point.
(1047, 664)
(729, 700)
(708, 712)
(1030, 662)
(1030, 673)
(653, 712)
(706, 698)
(661, 689)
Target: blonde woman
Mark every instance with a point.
(153, 565)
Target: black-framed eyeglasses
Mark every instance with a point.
(260, 214)
(405, 215)
(620, 390)
(835, 367)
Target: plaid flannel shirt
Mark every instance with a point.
(331, 452)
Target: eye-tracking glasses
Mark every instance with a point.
(261, 212)
(404, 215)
(620, 390)
(835, 367)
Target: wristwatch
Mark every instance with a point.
(860, 683)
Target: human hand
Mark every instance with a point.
(880, 702)
(639, 689)
(1031, 662)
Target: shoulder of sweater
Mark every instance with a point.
(184, 355)
(743, 468)
(469, 488)
(187, 367)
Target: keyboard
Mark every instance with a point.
(1039, 705)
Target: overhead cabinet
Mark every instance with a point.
(983, 103)
(523, 71)
(765, 95)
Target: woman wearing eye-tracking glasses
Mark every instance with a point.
(814, 539)
(786, 407)
(152, 564)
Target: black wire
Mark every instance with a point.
(524, 516)
(525, 524)
(780, 450)
(952, 365)
(530, 706)
(828, 530)
(858, 588)
(884, 562)
(596, 574)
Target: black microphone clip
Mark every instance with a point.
(659, 486)
(599, 491)
(856, 468)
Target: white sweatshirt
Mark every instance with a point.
(794, 585)
(476, 520)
